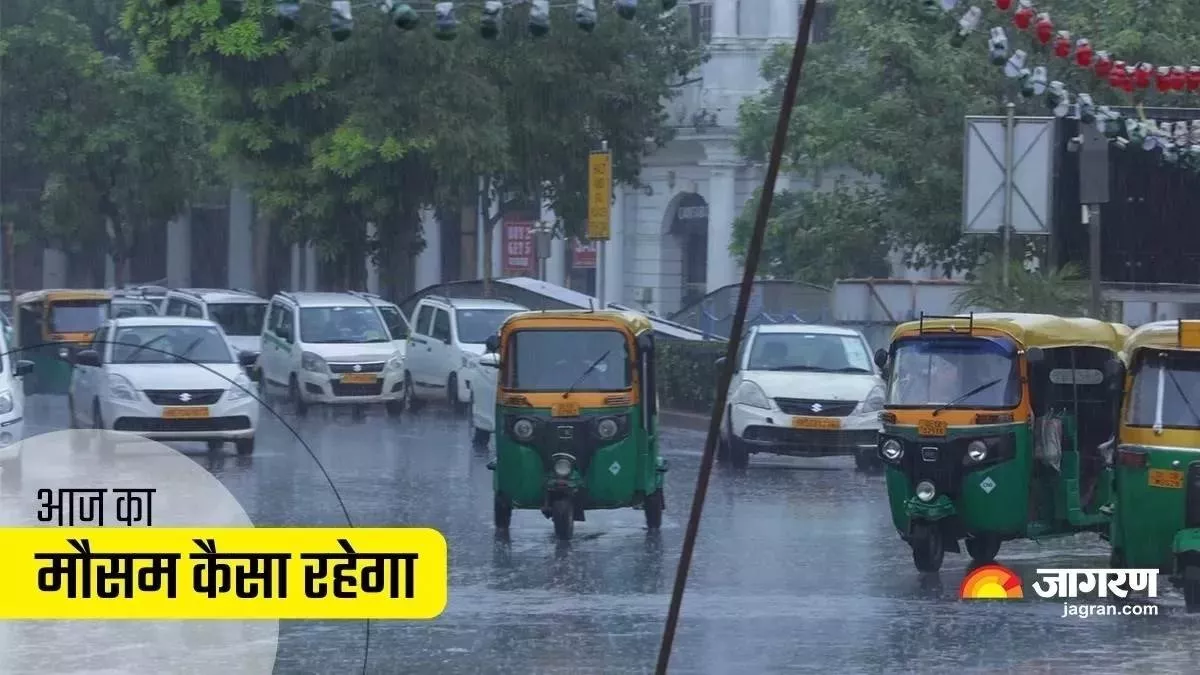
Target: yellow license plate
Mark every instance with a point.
(1165, 478)
(931, 427)
(816, 423)
(565, 410)
(186, 413)
(358, 378)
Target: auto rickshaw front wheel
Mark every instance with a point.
(983, 548)
(502, 513)
(653, 507)
(928, 548)
(562, 512)
(1191, 583)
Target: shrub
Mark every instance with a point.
(687, 374)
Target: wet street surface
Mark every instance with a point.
(798, 569)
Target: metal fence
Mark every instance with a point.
(771, 302)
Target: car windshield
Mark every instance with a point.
(124, 308)
(170, 344)
(239, 318)
(1171, 379)
(83, 316)
(556, 360)
(935, 372)
(396, 326)
(324, 325)
(476, 325)
(818, 352)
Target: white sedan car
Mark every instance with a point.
(803, 390)
(483, 397)
(165, 378)
(12, 414)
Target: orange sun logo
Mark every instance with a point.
(991, 582)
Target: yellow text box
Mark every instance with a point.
(305, 569)
(599, 196)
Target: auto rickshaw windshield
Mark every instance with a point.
(1165, 391)
(559, 359)
(77, 316)
(968, 372)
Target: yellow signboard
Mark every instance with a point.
(599, 195)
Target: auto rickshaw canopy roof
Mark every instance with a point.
(1179, 334)
(633, 322)
(64, 295)
(1029, 330)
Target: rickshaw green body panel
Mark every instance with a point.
(1186, 541)
(51, 374)
(1148, 522)
(520, 472)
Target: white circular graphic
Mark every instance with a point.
(185, 496)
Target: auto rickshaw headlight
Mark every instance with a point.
(64, 353)
(523, 429)
(607, 428)
(926, 491)
(891, 449)
(563, 467)
(977, 451)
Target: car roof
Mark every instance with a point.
(474, 303)
(809, 328)
(133, 321)
(316, 299)
(220, 295)
(131, 300)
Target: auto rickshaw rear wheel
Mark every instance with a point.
(562, 512)
(653, 507)
(983, 548)
(928, 548)
(501, 513)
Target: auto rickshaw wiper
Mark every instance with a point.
(968, 395)
(1186, 401)
(585, 373)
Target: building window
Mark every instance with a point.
(701, 20)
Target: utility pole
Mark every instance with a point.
(1093, 191)
(1010, 133)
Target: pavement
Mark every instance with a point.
(797, 569)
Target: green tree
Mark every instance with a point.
(1062, 292)
(333, 135)
(886, 95)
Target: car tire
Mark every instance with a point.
(244, 446)
(480, 438)
(411, 402)
(452, 394)
(739, 454)
(394, 408)
(298, 404)
(10, 473)
(215, 446)
(107, 447)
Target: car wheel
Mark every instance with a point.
(106, 444)
(394, 408)
(244, 446)
(452, 393)
(215, 446)
(411, 402)
(739, 454)
(298, 403)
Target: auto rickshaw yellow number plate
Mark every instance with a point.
(565, 409)
(1166, 478)
(931, 427)
(816, 423)
(358, 378)
(186, 413)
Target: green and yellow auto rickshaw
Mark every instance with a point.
(1156, 519)
(52, 325)
(993, 428)
(576, 417)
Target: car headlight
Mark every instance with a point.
(607, 429)
(873, 403)
(891, 450)
(313, 363)
(120, 388)
(752, 395)
(523, 430)
(395, 363)
(977, 451)
(563, 464)
(926, 491)
(6, 402)
(240, 388)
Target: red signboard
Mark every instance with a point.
(517, 245)
(583, 255)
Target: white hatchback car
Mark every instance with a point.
(483, 401)
(12, 413)
(803, 390)
(239, 313)
(165, 378)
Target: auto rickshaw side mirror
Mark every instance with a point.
(1035, 355)
(491, 360)
(88, 357)
(492, 344)
(23, 367)
(247, 359)
(881, 358)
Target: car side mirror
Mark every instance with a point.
(491, 360)
(23, 367)
(88, 357)
(247, 359)
(492, 344)
(881, 358)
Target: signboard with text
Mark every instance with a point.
(517, 245)
(599, 195)
(583, 254)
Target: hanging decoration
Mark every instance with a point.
(445, 24)
(1083, 53)
(1142, 74)
(966, 25)
(1062, 44)
(626, 9)
(341, 22)
(1023, 18)
(1044, 28)
(1104, 64)
(998, 46)
(539, 18)
(585, 15)
(489, 22)
(403, 15)
(1004, 5)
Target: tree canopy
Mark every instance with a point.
(885, 97)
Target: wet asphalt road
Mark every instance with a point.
(798, 569)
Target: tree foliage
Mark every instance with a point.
(886, 95)
(1062, 292)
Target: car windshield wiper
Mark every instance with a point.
(968, 395)
(585, 373)
(138, 350)
(850, 369)
(814, 369)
